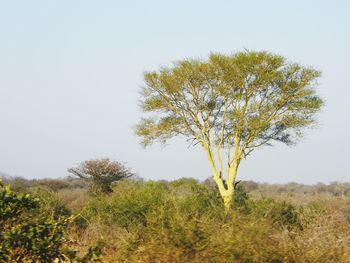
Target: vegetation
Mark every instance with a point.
(230, 105)
(184, 221)
(101, 174)
(30, 235)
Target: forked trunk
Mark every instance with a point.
(226, 189)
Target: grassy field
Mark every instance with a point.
(184, 220)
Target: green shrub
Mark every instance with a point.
(280, 213)
(241, 200)
(51, 205)
(29, 236)
(127, 205)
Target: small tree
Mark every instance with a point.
(101, 173)
(229, 105)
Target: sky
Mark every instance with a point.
(70, 74)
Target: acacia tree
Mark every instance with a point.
(101, 173)
(229, 105)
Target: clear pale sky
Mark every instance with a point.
(70, 72)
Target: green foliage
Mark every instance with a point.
(13, 205)
(50, 203)
(128, 205)
(23, 239)
(32, 242)
(282, 214)
(254, 86)
(193, 198)
(27, 235)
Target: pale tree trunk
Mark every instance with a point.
(226, 192)
(227, 195)
(228, 199)
(231, 185)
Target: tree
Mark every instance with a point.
(101, 173)
(229, 105)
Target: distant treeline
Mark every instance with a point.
(69, 182)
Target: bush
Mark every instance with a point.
(29, 236)
(280, 213)
(127, 206)
(50, 203)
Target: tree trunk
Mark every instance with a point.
(227, 191)
(228, 198)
